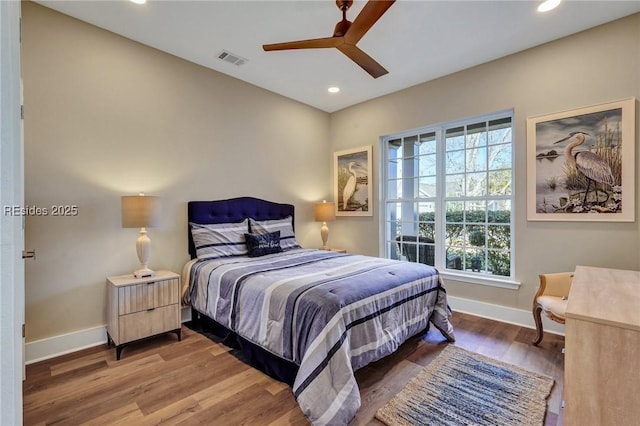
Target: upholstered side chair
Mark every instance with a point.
(551, 299)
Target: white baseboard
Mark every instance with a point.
(501, 313)
(51, 347)
(39, 350)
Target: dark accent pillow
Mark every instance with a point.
(261, 244)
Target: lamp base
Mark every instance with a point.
(324, 233)
(144, 273)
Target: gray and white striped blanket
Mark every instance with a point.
(329, 313)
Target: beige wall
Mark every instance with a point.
(97, 105)
(596, 66)
(107, 117)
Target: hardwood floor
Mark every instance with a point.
(198, 381)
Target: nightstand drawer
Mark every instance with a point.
(148, 323)
(153, 294)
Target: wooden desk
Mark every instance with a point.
(602, 340)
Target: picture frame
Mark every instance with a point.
(353, 182)
(581, 164)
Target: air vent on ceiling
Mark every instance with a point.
(231, 58)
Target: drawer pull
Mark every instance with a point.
(151, 282)
(150, 309)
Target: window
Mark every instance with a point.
(448, 194)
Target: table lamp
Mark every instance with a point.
(141, 211)
(324, 212)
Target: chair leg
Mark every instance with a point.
(536, 317)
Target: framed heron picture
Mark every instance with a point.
(352, 182)
(580, 164)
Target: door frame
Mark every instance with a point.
(11, 226)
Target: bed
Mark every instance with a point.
(307, 317)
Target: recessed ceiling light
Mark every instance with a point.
(548, 5)
(139, 1)
(333, 89)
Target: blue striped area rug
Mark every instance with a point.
(465, 388)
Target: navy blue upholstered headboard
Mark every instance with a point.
(233, 210)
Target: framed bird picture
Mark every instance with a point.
(352, 182)
(580, 164)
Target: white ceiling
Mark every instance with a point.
(416, 41)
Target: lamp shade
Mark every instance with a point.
(325, 212)
(140, 211)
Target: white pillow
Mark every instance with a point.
(285, 226)
(220, 239)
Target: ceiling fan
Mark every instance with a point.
(346, 35)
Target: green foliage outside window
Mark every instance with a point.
(494, 239)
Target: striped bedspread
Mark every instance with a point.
(330, 313)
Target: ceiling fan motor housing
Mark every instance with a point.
(341, 28)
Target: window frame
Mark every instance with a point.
(439, 201)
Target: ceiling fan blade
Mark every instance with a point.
(370, 13)
(315, 43)
(365, 61)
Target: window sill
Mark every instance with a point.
(482, 280)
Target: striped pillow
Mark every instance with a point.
(219, 239)
(285, 226)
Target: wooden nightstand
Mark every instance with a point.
(142, 307)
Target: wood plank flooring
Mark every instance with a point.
(198, 381)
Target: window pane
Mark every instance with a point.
(394, 155)
(417, 252)
(475, 260)
(427, 220)
(475, 236)
(499, 211)
(394, 189)
(476, 135)
(427, 230)
(411, 188)
(428, 143)
(455, 185)
(393, 229)
(394, 149)
(394, 251)
(427, 165)
(475, 211)
(476, 184)
(394, 169)
(454, 258)
(408, 212)
(454, 234)
(427, 187)
(500, 182)
(409, 231)
(499, 262)
(411, 146)
(455, 211)
(499, 236)
(500, 157)
(476, 159)
(500, 131)
(394, 145)
(454, 162)
(393, 211)
(454, 138)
